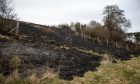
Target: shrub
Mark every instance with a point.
(14, 62)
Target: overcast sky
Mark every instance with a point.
(51, 12)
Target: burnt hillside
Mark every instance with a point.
(65, 36)
(40, 46)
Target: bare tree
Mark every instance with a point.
(6, 10)
(8, 18)
(94, 24)
(115, 21)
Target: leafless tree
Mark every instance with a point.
(6, 10)
(8, 18)
(94, 24)
(116, 22)
(115, 19)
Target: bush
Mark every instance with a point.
(14, 62)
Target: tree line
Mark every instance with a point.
(113, 29)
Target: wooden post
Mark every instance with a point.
(107, 41)
(127, 47)
(17, 28)
(86, 38)
(93, 41)
(98, 40)
(116, 44)
(54, 30)
(89, 36)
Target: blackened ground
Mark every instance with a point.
(65, 36)
(67, 62)
(74, 63)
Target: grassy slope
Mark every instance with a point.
(122, 72)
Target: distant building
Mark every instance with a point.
(72, 27)
(131, 38)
